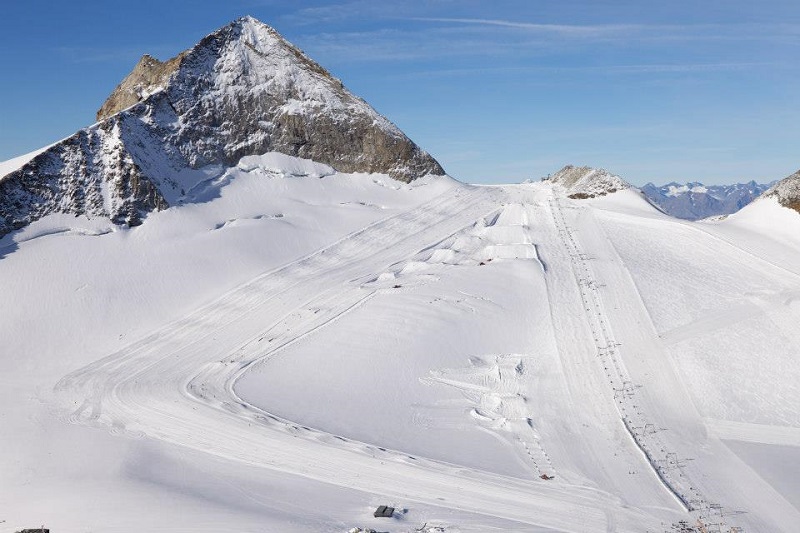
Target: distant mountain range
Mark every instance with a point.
(693, 201)
(689, 201)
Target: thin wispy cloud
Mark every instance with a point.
(416, 30)
(562, 29)
(684, 68)
(396, 44)
(356, 9)
(601, 69)
(651, 32)
(480, 44)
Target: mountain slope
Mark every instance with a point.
(357, 340)
(243, 90)
(88, 173)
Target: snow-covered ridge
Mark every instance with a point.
(587, 182)
(243, 90)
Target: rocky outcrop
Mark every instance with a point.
(147, 77)
(88, 173)
(243, 90)
(587, 182)
(787, 192)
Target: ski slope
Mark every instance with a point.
(438, 347)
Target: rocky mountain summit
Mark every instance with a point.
(587, 182)
(242, 90)
(694, 201)
(787, 192)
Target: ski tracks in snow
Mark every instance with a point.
(706, 487)
(626, 394)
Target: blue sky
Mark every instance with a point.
(497, 91)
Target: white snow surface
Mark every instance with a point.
(292, 347)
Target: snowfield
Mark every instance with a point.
(292, 347)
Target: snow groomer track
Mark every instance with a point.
(627, 395)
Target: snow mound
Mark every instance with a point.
(767, 217)
(503, 235)
(285, 164)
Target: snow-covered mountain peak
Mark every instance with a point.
(588, 182)
(787, 192)
(247, 82)
(262, 57)
(248, 56)
(243, 90)
(235, 45)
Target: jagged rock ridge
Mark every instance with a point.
(88, 173)
(694, 201)
(787, 192)
(243, 90)
(587, 182)
(147, 77)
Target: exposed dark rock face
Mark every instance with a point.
(694, 201)
(88, 173)
(787, 192)
(243, 90)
